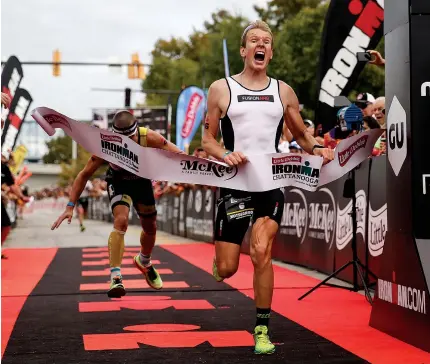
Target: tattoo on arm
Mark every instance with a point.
(163, 140)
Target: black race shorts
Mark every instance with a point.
(131, 190)
(236, 209)
(83, 201)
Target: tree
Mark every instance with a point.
(60, 152)
(278, 11)
(296, 54)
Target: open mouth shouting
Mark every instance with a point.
(259, 57)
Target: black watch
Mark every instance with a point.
(316, 146)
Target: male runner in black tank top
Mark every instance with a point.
(125, 189)
(243, 103)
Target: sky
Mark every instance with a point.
(96, 30)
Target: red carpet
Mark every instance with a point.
(20, 273)
(335, 314)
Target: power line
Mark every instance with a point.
(44, 63)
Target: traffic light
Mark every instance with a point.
(135, 69)
(56, 63)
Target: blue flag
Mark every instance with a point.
(189, 114)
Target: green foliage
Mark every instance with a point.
(297, 26)
(296, 57)
(278, 11)
(60, 152)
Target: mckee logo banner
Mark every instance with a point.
(189, 114)
(244, 98)
(112, 145)
(322, 216)
(295, 217)
(208, 169)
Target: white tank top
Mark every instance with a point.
(254, 119)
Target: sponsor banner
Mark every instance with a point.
(261, 173)
(175, 218)
(18, 110)
(208, 215)
(183, 199)
(189, 219)
(189, 114)
(350, 27)
(401, 307)
(344, 228)
(377, 221)
(11, 76)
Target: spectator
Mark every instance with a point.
(379, 110)
(377, 59)
(284, 141)
(8, 185)
(310, 126)
(369, 122)
(295, 148)
(365, 102)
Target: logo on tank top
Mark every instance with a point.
(244, 98)
(112, 145)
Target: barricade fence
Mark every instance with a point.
(316, 227)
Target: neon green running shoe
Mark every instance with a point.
(215, 272)
(262, 341)
(117, 289)
(151, 275)
(82, 228)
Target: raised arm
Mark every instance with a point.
(295, 123)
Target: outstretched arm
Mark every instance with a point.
(78, 186)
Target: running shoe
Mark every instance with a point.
(262, 341)
(82, 228)
(117, 289)
(215, 272)
(151, 275)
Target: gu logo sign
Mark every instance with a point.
(396, 129)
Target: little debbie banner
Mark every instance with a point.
(261, 173)
(189, 114)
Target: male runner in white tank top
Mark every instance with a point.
(252, 109)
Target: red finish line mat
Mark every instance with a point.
(47, 316)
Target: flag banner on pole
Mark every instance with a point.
(18, 110)
(225, 53)
(189, 114)
(260, 173)
(350, 27)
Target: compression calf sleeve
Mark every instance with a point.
(116, 248)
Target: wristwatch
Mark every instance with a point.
(316, 146)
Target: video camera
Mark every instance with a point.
(349, 118)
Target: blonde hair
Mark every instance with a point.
(258, 24)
